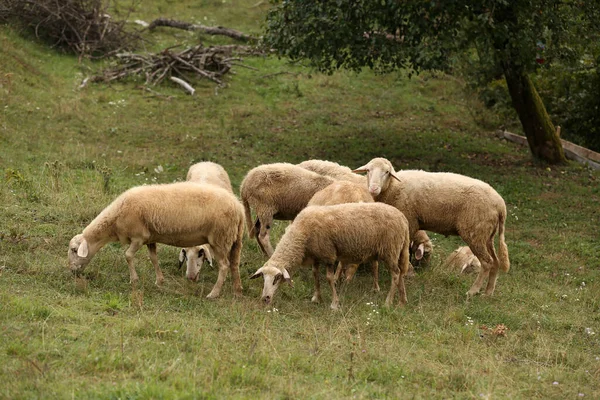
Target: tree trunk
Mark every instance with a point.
(541, 134)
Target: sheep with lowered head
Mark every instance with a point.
(463, 260)
(182, 214)
(351, 233)
(420, 249)
(342, 192)
(449, 204)
(204, 173)
(277, 191)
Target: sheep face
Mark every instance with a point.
(195, 257)
(273, 277)
(79, 255)
(379, 172)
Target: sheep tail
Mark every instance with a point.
(248, 214)
(502, 248)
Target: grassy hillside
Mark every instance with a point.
(66, 153)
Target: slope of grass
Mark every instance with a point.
(65, 153)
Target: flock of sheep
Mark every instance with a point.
(337, 216)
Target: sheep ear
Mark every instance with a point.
(182, 256)
(208, 254)
(258, 273)
(83, 250)
(420, 251)
(393, 174)
(287, 277)
(361, 170)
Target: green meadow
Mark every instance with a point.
(66, 152)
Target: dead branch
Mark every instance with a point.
(81, 26)
(185, 65)
(210, 30)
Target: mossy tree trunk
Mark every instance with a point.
(541, 134)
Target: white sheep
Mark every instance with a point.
(277, 191)
(463, 260)
(182, 214)
(207, 172)
(204, 173)
(342, 192)
(333, 170)
(351, 233)
(420, 249)
(449, 204)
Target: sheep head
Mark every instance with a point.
(379, 172)
(195, 257)
(79, 254)
(273, 277)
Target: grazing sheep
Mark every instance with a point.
(449, 204)
(208, 172)
(463, 260)
(182, 214)
(277, 191)
(342, 192)
(420, 249)
(204, 173)
(333, 170)
(351, 233)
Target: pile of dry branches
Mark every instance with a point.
(81, 26)
(198, 61)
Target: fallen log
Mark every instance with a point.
(210, 30)
(572, 151)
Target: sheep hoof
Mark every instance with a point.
(316, 299)
(335, 307)
(376, 289)
(212, 295)
(159, 281)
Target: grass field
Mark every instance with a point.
(66, 153)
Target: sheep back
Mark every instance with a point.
(208, 172)
(180, 214)
(341, 192)
(352, 233)
(333, 170)
(282, 188)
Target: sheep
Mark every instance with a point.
(351, 233)
(333, 170)
(449, 204)
(182, 214)
(277, 191)
(464, 260)
(420, 249)
(339, 193)
(204, 173)
(208, 172)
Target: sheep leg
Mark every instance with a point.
(480, 252)
(234, 265)
(257, 231)
(395, 273)
(223, 269)
(134, 246)
(350, 271)
(403, 267)
(263, 236)
(491, 285)
(338, 270)
(375, 271)
(317, 296)
(335, 301)
(154, 258)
